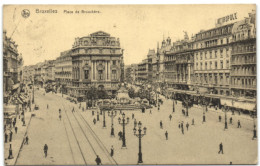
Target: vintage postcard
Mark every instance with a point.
(129, 84)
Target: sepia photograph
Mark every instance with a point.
(130, 84)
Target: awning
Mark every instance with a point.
(250, 106)
(10, 109)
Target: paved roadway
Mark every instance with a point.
(76, 140)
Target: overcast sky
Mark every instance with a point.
(43, 36)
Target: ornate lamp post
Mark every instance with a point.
(224, 109)
(112, 115)
(140, 135)
(254, 116)
(123, 123)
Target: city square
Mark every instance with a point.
(187, 101)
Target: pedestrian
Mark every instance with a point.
(187, 126)
(182, 130)
(135, 123)
(59, 110)
(158, 107)
(112, 151)
(82, 109)
(219, 118)
(60, 117)
(166, 135)
(26, 140)
(230, 120)
(16, 128)
(94, 121)
(73, 109)
(45, 149)
(220, 148)
(47, 106)
(6, 137)
(161, 125)
(11, 136)
(98, 160)
(170, 116)
(93, 113)
(150, 111)
(133, 115)
(182, 125)
(238, 124)
(14, 123)
(192, 121)
(179, 125)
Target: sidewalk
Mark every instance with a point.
(17, 139)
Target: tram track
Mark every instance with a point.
(96, 145)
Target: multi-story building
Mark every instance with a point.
(97, 60)
(179, 64)
(243, 58)
(63, 71)
(142, 74)
(12, 66)
(151, 58)
(212, 52)
(165, 46)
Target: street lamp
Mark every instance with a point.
(225, 110)
(123, 123)
(112, 115)
(104, 119)
(140, 135)
(33, 94)
(254, 116)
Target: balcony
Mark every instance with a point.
(246, 51)
(248, 87)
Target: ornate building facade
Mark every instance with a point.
(97, 60)
(212, 52)
(63, 72)
(243, 58)
(179, 64)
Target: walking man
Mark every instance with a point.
(187, 126)
(6, 137)
(45, 149)
(238, 124)
(98, 160)
(47, 106)
(219, 118)
(94, 121)
(150, 111)
(230, 120)
(170, 116)
(220, 148)
(26, 140)
(179, 125)
(60, 116)
(16, 128)
(112, 151)
(161, 125)
(133, 115)
(192, 121)
(166, 135)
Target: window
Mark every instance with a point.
(216, 65)
(114, 62)
(216, 53)
(197, 56)
(197, 66)
(206, 65)
(205, 55)
(221, 64)
(227, 40)
(221, 41)
(100, 74)
(227, 64)
(210, 54)
(227, 52)
(221, 53)
(114, 76)
(86, 74)
(201, 66)
(201, 56)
